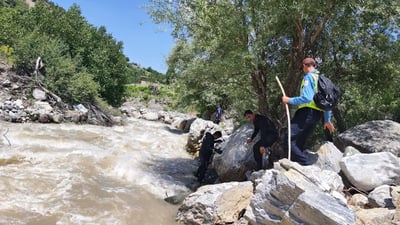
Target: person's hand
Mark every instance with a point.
(248, 141)
(329, 126)
(262, 150)
(285, 99)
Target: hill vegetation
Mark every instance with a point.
(82, 63)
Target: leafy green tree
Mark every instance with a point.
(10, 24)
(83, 88)
(242, 45)
(108, 63)
(70, 47)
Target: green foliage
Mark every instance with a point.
(83, 88)
(138, 74)
(231, 51)
(164, 94)
(70, 49)
(8, 52)
(10, 24)
(10, 3)
(34, 45)
(138, 91)
(61, 73)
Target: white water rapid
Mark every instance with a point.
(84, 174)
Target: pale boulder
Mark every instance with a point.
(368, 171)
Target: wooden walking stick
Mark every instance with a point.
(287, 115)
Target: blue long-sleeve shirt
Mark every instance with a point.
(307, 93)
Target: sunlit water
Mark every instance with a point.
(83, 174)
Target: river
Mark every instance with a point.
(84, 174)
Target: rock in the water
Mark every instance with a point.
(177, 199)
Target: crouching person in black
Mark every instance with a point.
(206, 151)
(268, 135)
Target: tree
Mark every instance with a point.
(71, 49)
(244, 44)
(248, 40)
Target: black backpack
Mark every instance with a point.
(327, 95)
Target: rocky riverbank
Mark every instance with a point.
(21, 102)
(353, 184)
(356, 179)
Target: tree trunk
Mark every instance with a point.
(296, 57)
(259, 85)
(304, 38)
(259, 76)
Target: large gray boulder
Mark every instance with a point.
(373, 136)
(329, 157)
(216, 204)
(237, 156)
(300, 195)
(369, 171)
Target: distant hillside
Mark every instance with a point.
(146, 74)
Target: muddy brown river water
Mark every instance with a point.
(84, 174)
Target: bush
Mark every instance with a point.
(7, 51)
(83, 88)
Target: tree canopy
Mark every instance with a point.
(230, 51)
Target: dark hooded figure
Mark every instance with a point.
(206, 151)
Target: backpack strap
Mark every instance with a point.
(315, 76)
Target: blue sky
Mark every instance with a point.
(145, 43)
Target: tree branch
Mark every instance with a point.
(321, 25)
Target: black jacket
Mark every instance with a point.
(267, 128)
(207, 146)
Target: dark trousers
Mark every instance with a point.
(271, 138)
(302, 126)
(201, 171)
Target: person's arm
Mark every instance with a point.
(307, 93)
(255, 132)
(327, 116)
(328, 124)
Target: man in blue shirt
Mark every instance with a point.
(218, 114)
(308, 114)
